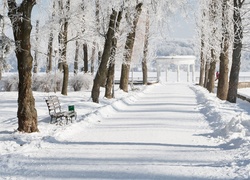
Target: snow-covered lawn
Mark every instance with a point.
(175, 131)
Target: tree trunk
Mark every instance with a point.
(237, 46)
(202, 64)
(20, 17)
(202, 55)
(101, 74)
(109, 91)
(85, 59)
(63, 45)
(211, 73)
(92, 68)
(65, 79)
(99, 57)
(64, 61)
(97, 15)
(206, 73)
(76, 58)
(50, 45)
(49, 53)
(222, 89)
(35, 68)
(2, 47)
(129, 50)
(145, 52)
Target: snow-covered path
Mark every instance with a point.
(158, 134)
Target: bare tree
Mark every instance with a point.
(124, 80)
(63, 40)
(50, 44)
(101, 74)
(213, 14)
(76, 58)
(237, 47)
(85, 58)
(203, 53)
(109, 88)
(145, 51)
(92, 59)
(20, 16)
(222, 89)
(35, 68)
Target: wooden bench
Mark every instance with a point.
(56, 112)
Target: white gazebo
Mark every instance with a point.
(165, 61)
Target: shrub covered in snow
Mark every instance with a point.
(81, 81)
(47, 82)
(10, 83)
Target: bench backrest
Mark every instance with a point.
(53, 104)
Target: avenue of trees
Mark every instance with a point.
(221, 31)
(104, 33)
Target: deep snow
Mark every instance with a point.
(164, 131)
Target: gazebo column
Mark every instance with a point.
(188, 72)
(158, 72)
(178, 73)
(193, 72)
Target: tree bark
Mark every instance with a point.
(222, 89)
(145, 52)
(63, 45)
(85, 58)
(50, 45)
(124, 80)
(202, 55)
(109, 91)
(213, 12)
(207, 66)
(237, 46)
(35, 68)
(49, 53)
(76, 58)
(101, 74)
(211, 73)
(92, 67)
(20, 17)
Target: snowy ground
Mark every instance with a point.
(175, 131)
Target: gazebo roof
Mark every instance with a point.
(178, 60)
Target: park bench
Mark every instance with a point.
(56, 112)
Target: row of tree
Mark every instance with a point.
(221, 43)
(110, 24)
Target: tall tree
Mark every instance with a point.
(2, 47)
(50, 44)
(63, 41)
(76, 58)
(213, 14)
(145, 51)
(50, 53)
(109, 88)
(85, 58)
(92, 59)
(101, 74)
(20, 16)
(124, 80)
(35, 68)
(203, 53)
(222, 89)
(237, 47)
